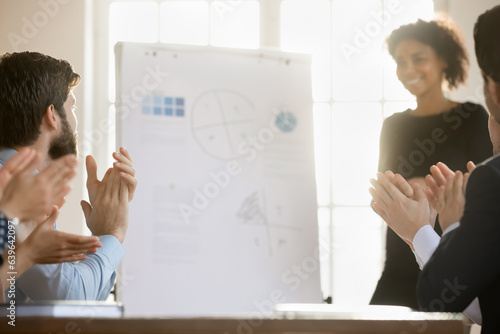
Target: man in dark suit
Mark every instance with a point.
(466, 262)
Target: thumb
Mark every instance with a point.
(51, 219)
(91, 169)
(419, 192)
(87, 209)
(471, 166)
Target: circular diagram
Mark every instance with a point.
(220, 121)
(286, 121)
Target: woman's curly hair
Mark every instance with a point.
(446, 40)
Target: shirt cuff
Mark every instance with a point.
(112, 249)
(425, 243)
(451, 228)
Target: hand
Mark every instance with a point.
(403, 214)
(437, 179)
(107, 212)
(420, 180)
(127, 172)
(406, 188)
(46, 245)
(123, 164)
(28, 196)
(470, 167)
(15, 165)
(451, 200)
(439, 186)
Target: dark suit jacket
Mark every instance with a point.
(466, 263)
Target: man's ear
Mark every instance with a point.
(494, 90)
(50, 117)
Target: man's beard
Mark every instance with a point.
(65, 143)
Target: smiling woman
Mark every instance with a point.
(427, 55)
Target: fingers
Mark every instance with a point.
(62, 169)
(379, 195)
(62, 200)
(125, 165)
(131, 182)
(383, 191)
(124, 168)
(457, 186)
(21, 160)
(400, 182)
(104, 184)
(86, 208)
(78, 243)
(378, 209)
(419, 192)
(471, 166)
(432, 197)
(51, 219)
(114, 184)
(389, 174)
(91, 166)
(58, 174)
(466, 179)
(124, 190)
(445, 170)
(63, 258)
(390, 188)
(124, 154)
(438, 175)
(432, 185)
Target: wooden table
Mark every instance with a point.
(447, 324)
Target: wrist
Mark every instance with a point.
(118, 235)
(24, 259)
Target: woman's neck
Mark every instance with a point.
(432, 103)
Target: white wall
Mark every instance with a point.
(56, 28)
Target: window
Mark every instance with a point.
(354, 89)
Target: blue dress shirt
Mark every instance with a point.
(91, 279)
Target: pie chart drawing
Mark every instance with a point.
(220, 121)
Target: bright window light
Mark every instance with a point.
(355, 130)
(130, 22)
(323, 152)
(356, 254)
(354, 88)
(357, 45)
(184, 22)
(235, 24)
(305, 27)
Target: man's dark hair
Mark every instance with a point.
(29, 83)
(444, 38)
(487, 43)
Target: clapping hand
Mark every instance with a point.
(446, 192)
(403, 207)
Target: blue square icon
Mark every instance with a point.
(157, 111)
(179, 112)
(157, 100)
(168, 101)
(169, 111)
(179, 101)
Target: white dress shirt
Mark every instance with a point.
(425, 243)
